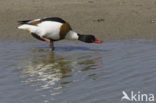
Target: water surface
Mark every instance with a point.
(76, 72)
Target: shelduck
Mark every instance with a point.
(53, 29)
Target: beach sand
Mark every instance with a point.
(106, 19)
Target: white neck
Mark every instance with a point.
(72, 35)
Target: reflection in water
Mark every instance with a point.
(49, 70)
(81, 75)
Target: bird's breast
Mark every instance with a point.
(64, 29)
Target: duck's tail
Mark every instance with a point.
(29, 28)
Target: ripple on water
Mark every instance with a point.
(75, 71)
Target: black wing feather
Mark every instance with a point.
(24, 22)
(57, 19)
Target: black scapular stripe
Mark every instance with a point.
(57, 19)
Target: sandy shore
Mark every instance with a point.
(107, 19)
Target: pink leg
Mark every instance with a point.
(49, 42)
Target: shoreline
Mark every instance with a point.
(108, 20)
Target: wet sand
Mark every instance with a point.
(107, 19)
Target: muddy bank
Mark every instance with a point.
(109, 20)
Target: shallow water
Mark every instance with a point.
(76, 72)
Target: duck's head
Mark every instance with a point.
(88, 38)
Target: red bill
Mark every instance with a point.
(97, 41)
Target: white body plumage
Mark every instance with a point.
(49, 29)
